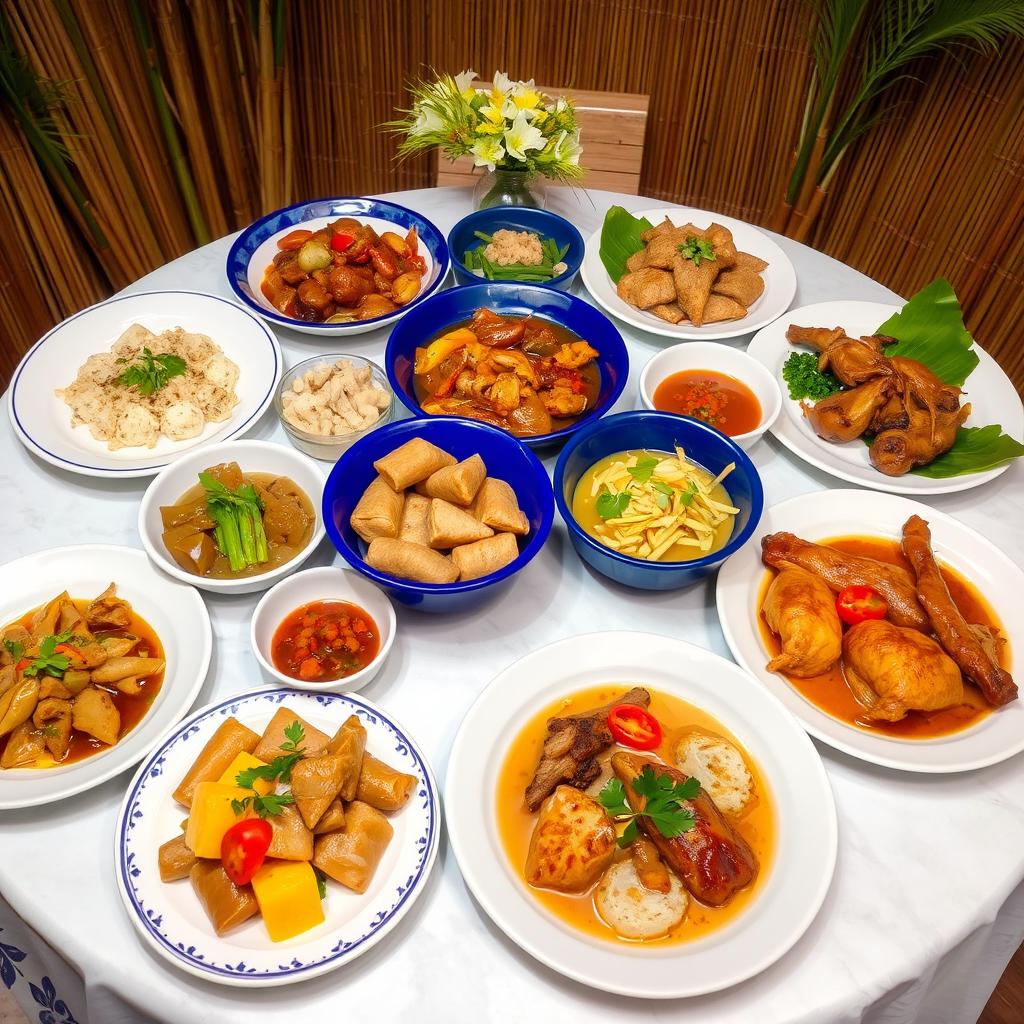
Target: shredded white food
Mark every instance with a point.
(670, 506)
(507, 247)
(333, 399)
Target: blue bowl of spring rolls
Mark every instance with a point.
(456, 306)
(707, 448)
(504, 458)
(560, 240)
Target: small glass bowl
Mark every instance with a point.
(318, 446)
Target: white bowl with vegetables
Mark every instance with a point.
(231, 534)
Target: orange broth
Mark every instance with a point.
(516, 823)
(716, 398)
(829, 692)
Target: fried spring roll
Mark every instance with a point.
(414, 526)
(349, 743)
(410, 561)
(496, 506)
(227, 905)
(382, 786)
(231, 739)
(378, 512)
(457, 484)
(483, 557)
(412, 462)
(176, 860)
(451, 526)
(352, 857)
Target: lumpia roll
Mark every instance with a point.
(378, 512)
(414, 526)
(351, 857)
(451, 526)
(227, 905)
(457, 484)
(349, 743)
(270, 745)
(496, 506)
(384, 787)
(231, 739)
(412, 462)
(291, 839)
(176, 860)
(410, 561)
(333, 819)
(485, 556)
(316, 782)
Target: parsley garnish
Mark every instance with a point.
(662, 796)
(643, 470)
(15, 648)
(278, 769)
(610, 506)
(46, 662)
(697, 249)
(151, 372)
(804, 379)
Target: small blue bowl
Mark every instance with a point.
(516, 218)
(441, 312)
(245, 272)
(657, 431)
(504, 456)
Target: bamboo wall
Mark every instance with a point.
(936, 190)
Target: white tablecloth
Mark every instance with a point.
(926, 908)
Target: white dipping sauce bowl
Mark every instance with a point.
(707, 355)
(253, 457)
(327, 583)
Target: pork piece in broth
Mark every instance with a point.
(571, 748)
(712, 859)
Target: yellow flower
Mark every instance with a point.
(522, 136)
(487, 152)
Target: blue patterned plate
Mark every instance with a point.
(254, 249)
(169, 916)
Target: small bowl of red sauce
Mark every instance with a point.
(323, 629)
(715, 383)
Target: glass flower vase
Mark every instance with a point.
(508, 186)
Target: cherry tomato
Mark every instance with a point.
(635, 727)
(340, 241)
(860, 603)
(294, 239)
(244, 848)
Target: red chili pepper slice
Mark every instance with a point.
(244, 848)
(860, 603)
(634, 726)
(340, 241)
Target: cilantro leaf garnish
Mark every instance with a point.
(688, 495)
(643, 470)
(152, 372)
(280, 769)
(15, 648)
(610, 506)
(662, 797)
(47, 662)
(264, 806)
(697, 250)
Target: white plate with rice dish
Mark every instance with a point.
(217, 367)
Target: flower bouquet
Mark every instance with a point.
(515, 131)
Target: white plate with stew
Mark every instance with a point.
(168, 915)
(960, 739)
(792, 879)
(175, 613)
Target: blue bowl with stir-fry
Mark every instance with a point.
(533, 361)
(656, 501)
(517, 244)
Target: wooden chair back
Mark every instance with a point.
(612, 130)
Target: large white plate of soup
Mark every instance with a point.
(87, 398)
(990, 393)
(354, 835)
(537, 836)
(896, 695)
(753, 304)
(103, 653)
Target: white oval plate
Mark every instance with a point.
(994, 396)
(798, 877)
(168, 915)
(825, 514)
(779, 280)
(176, 613)
(42, 421)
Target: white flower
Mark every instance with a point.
(427, 121)
(487, 151)
(568, 148)
(522, 136)
(502, 83)
(464, 79)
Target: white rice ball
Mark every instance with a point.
(719, 767)
(634, 912)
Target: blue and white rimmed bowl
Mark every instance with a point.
(254, 250)
(42, 421)
(169, 917)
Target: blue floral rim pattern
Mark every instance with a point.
(426, 844)
(240, 429)
(245, 245)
